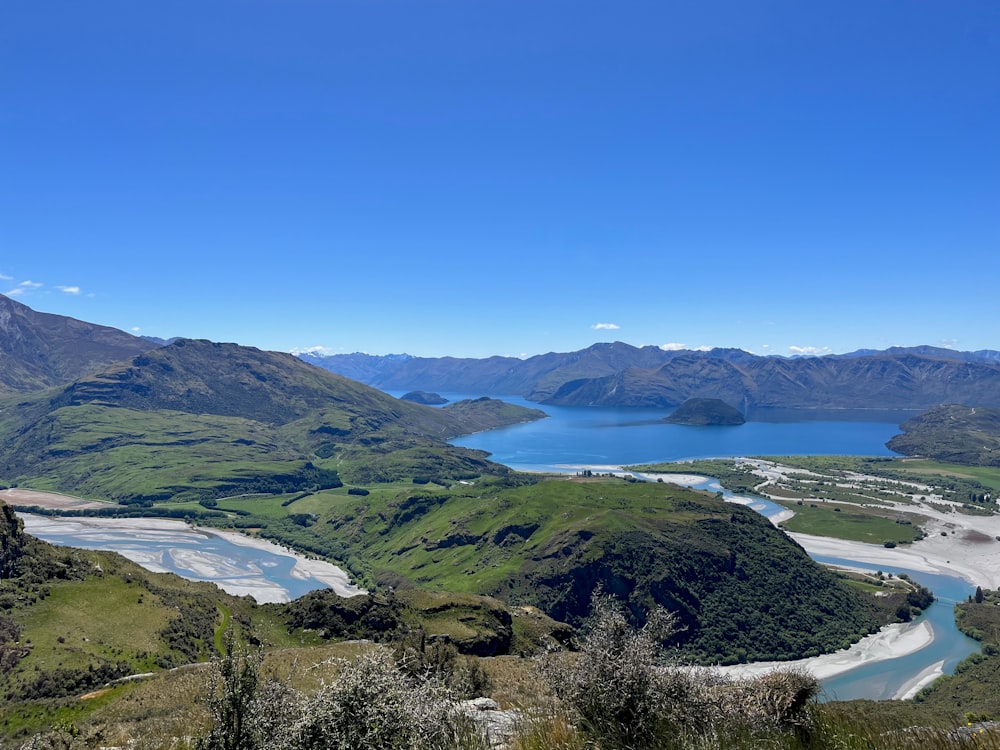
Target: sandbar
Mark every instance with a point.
(922, 680)
(890, 642)
(685, 480)
(305, 567)
(976, 562)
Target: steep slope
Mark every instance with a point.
(39, 350)
(954, 433)
(200, 419)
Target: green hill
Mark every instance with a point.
(952, 433)
(742, 589)
(197, 420)
(73, 622)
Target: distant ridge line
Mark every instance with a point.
(619, 374)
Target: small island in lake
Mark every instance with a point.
(706, 412)
(423, 397)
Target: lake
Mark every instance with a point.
(573, 437)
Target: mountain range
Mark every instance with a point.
(197, 419)
(39, 350)
(237, 437)
(618, 374)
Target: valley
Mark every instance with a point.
(477, 529)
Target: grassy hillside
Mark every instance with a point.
(742, 589)
(952, 433)
(197, 420)
(73, 622)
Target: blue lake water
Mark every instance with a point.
(582, 435)
(569, 438)
(576, 436)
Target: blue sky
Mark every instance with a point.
(478, 177)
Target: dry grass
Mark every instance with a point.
(516, 683)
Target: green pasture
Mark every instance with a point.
(854, 524)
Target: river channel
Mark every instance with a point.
(571, 438)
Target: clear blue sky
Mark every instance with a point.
(477, 177)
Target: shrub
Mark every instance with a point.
(437, 658)
(616, 687)
(246, 714)
(624, 696)
(374, 706)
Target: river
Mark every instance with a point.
(572, 437)
(238, 564)
(577, 436)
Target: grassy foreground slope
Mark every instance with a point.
(74, 623)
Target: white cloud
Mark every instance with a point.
(949, 343)
(319, 351)
(605, 327)
(69, 289)
(23, 287)
(5, 277)
(809, 350)
(702, 348)
(135, 329)
(672, 347)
